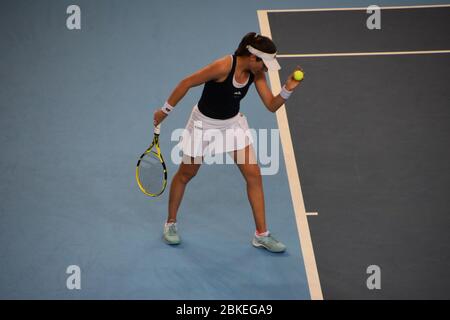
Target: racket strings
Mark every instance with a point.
(151, 173)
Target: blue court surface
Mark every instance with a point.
(76, 110)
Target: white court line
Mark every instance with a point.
(304, 234)
(356, 9)
(354, 54)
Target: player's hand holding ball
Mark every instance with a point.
(295, 78)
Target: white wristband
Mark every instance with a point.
(285, 93)
(167, 108)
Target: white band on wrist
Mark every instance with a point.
(285, 93)
(167, 108)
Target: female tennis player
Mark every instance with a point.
(226, 81)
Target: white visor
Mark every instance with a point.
(269, 59)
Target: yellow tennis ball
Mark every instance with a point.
(298, 75)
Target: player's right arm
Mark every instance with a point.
(214, 71)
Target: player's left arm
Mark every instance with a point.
(272, 103)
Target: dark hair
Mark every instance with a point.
(257, 41)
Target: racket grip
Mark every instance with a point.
(157, 129)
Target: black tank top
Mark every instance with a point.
(221, 100)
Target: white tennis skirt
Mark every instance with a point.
(207, 136)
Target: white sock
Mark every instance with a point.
(168, 224)
(260, 235)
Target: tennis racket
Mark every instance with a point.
(151, 172)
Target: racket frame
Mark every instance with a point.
(153, 145)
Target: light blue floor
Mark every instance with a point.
(75, 112)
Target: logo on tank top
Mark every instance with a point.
(237, 94)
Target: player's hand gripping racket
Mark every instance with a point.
(151, 172)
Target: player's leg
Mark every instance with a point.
(247, 164)
(187, 170)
